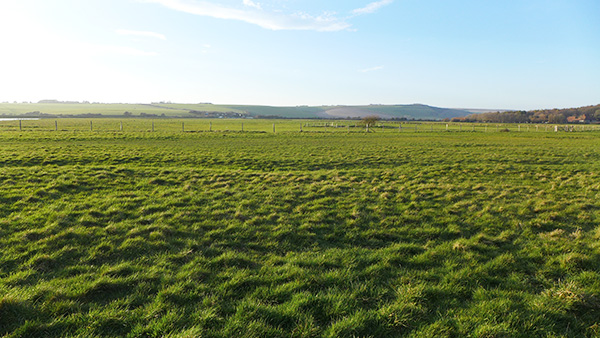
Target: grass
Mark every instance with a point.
(172, 125)
(314, 234)
(185, 110)
(109, 109)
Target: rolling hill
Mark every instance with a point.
(63, 109)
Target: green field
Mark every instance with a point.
(324, 233)
(170, 125)
(414, 111)
(110, 109)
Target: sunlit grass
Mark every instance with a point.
(257, 234)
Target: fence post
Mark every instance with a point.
(152, 126)
(446, 126)
(91, 126)
(121, 126)
(183, 126)
(242, 126)
(20, 126)
(273, 128)
(55, 125)
(209, 125)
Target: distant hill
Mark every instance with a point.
(51, 108)
(413, 111)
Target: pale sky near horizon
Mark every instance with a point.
(497, 54)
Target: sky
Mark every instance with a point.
(490, 54)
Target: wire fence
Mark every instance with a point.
(271, 126)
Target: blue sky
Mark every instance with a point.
(524, 54)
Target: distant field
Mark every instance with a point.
(192, 110)
(72, 109)
(202, 107)
(395, 111)
(324, 233)
(287, 112)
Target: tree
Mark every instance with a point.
(557, 118)
(597, 115)
(369, 121)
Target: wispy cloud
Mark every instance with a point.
(253, 14)
(141, 34)
(250, 3)
(206, 48)
(372, 69)
(111, 49)
(372, 7)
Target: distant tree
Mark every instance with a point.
(369, 121)
(557, 118)
(127, 113)
(538, 116)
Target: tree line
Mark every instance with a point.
(587, 114)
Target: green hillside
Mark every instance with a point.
(285, 112)
(419, 110)
(110, 109)
(414, 111)
(200, 107)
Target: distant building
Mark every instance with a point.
(578, 119)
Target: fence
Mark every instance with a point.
(270, 126)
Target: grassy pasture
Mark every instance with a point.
(79, 108)
(266, 126)
(313, 234)
(184, 110)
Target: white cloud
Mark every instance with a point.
(111, 49)
(141, 33)
(372, 7)
(205, 48)
(372, 69)
(250, 3)
(252, 15)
